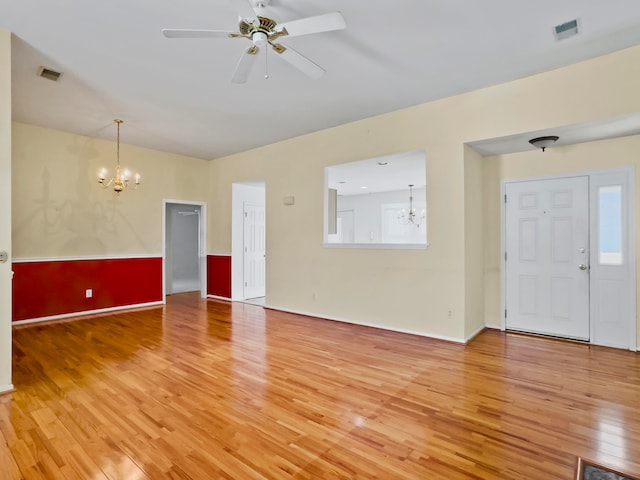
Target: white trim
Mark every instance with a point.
(86, 312)
(631, 188)
(366, 324)
(216, 297)
(474, 334)
(379, 246)
(6, 388)
(255, 192)
(218, 254)
(629, 245)
(600, 171)
(202, 247)
(75, 259)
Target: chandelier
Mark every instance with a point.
(121, 179)
(411, 217)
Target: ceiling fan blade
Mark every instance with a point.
(178, 33)
(299, 61)
(245, 64)
(318, 24)
(245, 10)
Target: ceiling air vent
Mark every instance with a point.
(566, 30)
(49, 74)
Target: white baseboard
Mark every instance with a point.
(477, 332)
(494, 327)
(366, 324)
(86, 312)
(6, 389)
(216, 297)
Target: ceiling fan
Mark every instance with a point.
(263, 31)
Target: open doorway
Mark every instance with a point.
(184, 242)
(248, 263)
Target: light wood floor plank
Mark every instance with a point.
(201, 389)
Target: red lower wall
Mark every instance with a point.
(42, 289)
(219, 275)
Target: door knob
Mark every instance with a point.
(582, 266)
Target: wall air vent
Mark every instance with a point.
(566, 30)
(49, 74)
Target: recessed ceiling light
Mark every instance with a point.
(49, 74)
(342, 182)
(364, 187)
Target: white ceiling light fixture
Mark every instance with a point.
(544, 142)
(411, 217)
(121, 179)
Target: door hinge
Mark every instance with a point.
(245, 215)
(505, 198)
(246, 284)
(505, 313)
(505, 256)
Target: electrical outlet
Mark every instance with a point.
(88, 293)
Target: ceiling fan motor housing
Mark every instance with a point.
(260, 34)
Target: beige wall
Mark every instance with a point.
(446, 290)
(389, 288)
(620, 152)
(410, 290)
(474, 241)
(5, 209)
(59, 210)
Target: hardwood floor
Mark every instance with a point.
(206, 389)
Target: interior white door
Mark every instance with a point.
(254, 251)
(346, 232)
(547, 257)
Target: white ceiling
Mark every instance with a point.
(382, 174)
(176, 95)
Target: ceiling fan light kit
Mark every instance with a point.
(263, 31)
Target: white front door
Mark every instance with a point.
(547, 257)
(254, 251)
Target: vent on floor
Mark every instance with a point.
(566, 30)
(49, 74)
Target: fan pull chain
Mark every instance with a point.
(266, 64)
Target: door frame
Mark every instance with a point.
(202, 247)
(244, 251)
(255, 192)
(630, 237)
